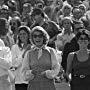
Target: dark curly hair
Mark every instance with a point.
(27, 30)
(82, 32)
(3, 26)
(37, 11)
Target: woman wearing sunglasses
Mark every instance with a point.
(78, 63)
(40, 65)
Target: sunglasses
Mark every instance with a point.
(39, 36)
(83, 38)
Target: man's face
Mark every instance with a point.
(66, 10)
(38, 18)
(77, 13)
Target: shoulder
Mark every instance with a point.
(50, 49)
(30, 51)
(60, 34)
(2, 43)
(15, 47)
(71, 55)
(5, 50)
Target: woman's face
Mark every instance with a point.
(66, 10)
(67, 24)
(83, 41)
(23, 36)
(38, 38)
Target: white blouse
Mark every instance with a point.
(5, 59)
(17, 62)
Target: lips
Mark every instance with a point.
(37, 41)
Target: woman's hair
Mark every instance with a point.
(82, 6)
(44, 33)
(28, 31)
(3, 26)
(65, 18)
(67, 6)
(12, 4)
(17, 20)
(82, 32)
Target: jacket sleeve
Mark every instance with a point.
(26, 71)
(5, 58)
(16, 57)
(55, 66)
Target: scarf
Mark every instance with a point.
(39, 50)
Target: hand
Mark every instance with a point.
(43, 72)
(29, 75)
(57, 79)
(67, 77)
(34, 72)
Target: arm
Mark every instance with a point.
(26, 72)
(16, 57)
(5, 58)
(55, 66)
(59, 42)
(69, 65)
(4, 64)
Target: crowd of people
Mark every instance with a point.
(44, 43)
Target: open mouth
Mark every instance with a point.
(38, 41)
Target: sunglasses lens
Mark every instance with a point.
(39, 36)
(83, 39)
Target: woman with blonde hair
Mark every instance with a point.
(40, 65)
